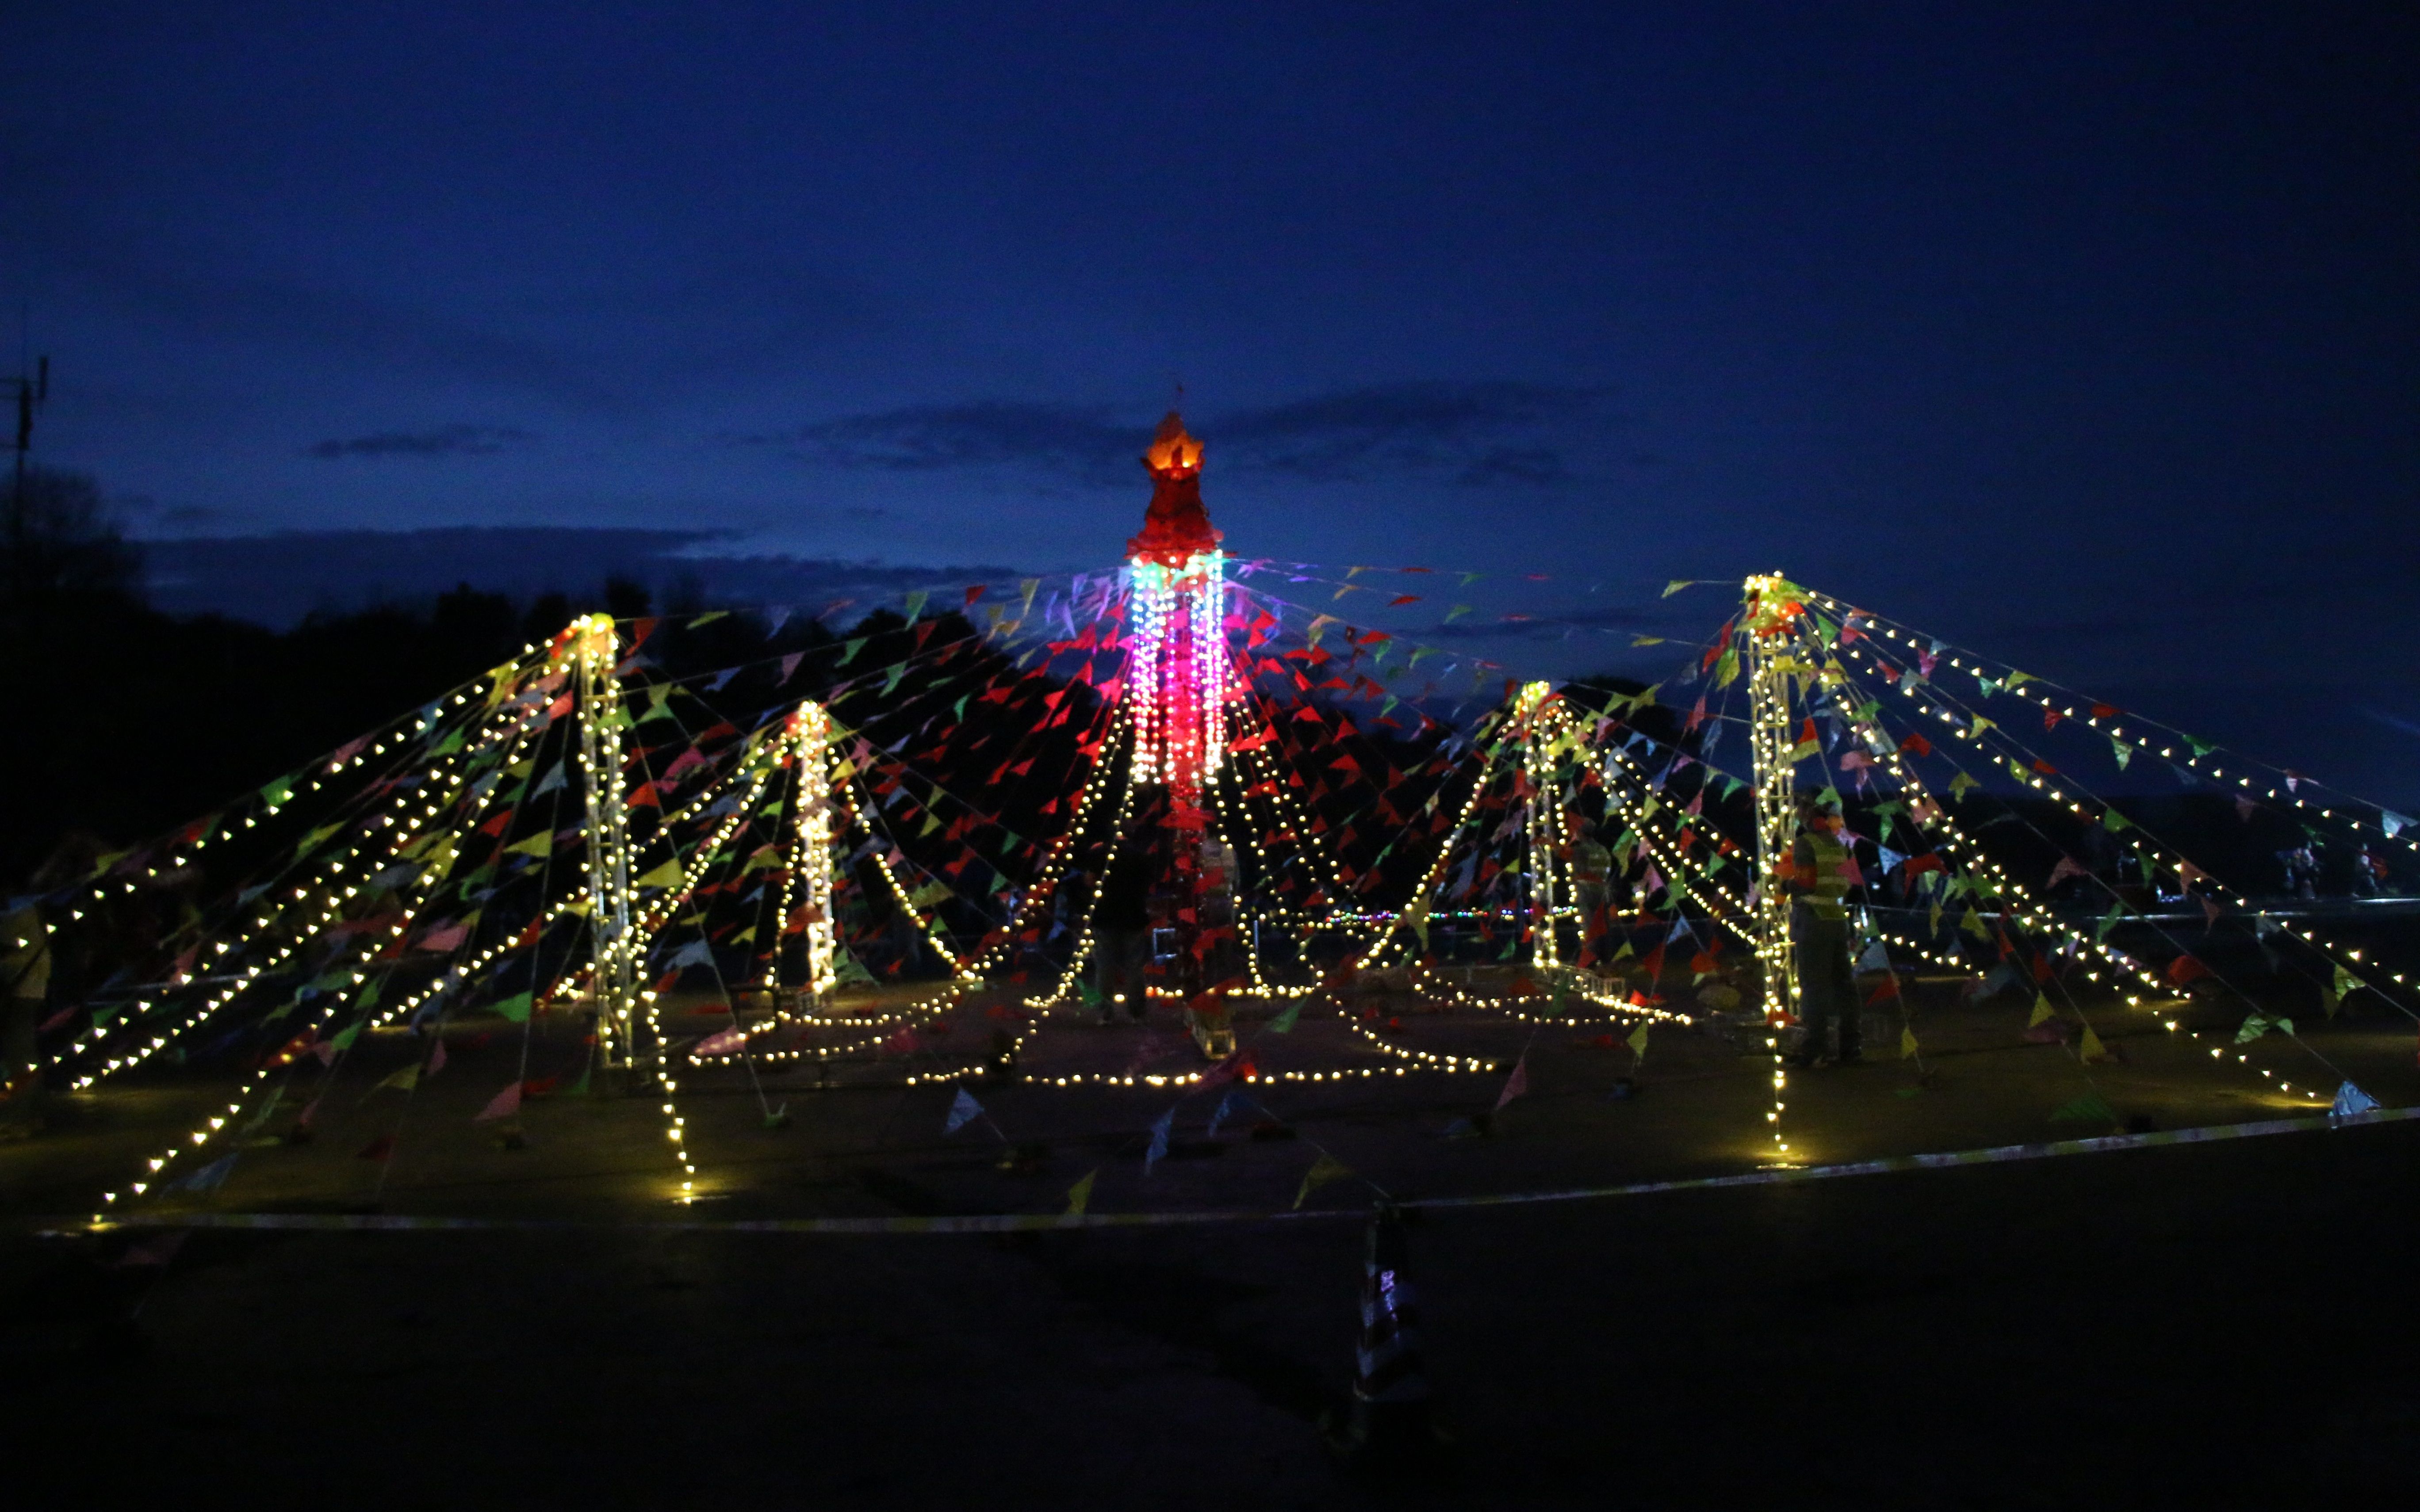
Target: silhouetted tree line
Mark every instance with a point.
(121, 721)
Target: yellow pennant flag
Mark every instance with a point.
(1328, 1168)
(666, 875)
(1906, 1042)
(2091, 1048)
(1637, 1042)
(404, 1080)
(1080, 1194)
(535, 846)
(2041, 1009)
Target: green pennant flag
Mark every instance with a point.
(1079, 1197)
(2108, 921)
(1285, 1022)
(1727, 669)
(849, 649)
(1089, 993)
(1323, 1170)
(278, 791)
(2347, 984)
(513, 1010)
(916, 604)
(898, 670)
(345, 1037)
(2089, 1108)
(2121, 750)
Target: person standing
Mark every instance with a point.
(1820, 873)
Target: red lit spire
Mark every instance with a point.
(1176, 525)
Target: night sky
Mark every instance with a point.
(2086, 336)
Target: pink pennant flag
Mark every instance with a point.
(790, 664)
(437, 1059)
(2066, 867)
(503, 1105)
(1516, 1085)
(720, 1044)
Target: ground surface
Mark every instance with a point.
(2170, 1326)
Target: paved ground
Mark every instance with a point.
(2173, 1326)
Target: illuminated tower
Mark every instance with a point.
(1179, 681)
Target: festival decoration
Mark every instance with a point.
(876, 840)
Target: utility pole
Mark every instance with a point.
(31, 392)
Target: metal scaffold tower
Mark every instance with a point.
(614, 966)
(1770, 667)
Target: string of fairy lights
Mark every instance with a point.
(1190, 717)
(2025, 910)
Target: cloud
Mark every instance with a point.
(1067, 439)
(1479, 435)
(446, 441)
(1553, 626)
(1459, 429)
(2392, 722)
(1539, 466)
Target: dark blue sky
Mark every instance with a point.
(2085, 335)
